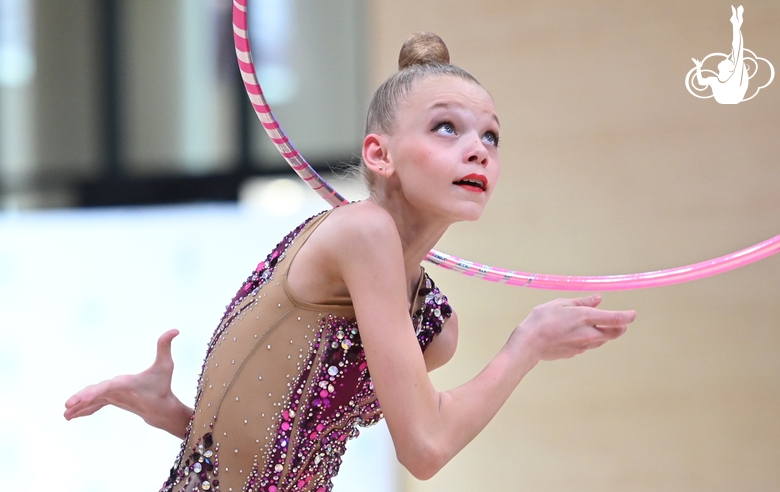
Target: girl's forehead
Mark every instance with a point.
(447, 91)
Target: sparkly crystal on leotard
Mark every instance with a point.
(284, 385)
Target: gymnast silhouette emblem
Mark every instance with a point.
(730, 84)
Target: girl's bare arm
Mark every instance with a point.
(430, 427)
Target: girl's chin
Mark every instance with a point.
(472, 209)
(466, 212)
(471, 218)
(454, 209)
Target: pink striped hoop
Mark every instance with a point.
(492, 274)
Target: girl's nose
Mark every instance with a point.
(477, 153)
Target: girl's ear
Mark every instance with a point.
(376, 156)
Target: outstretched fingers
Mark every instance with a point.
(600, 318)
(604, 318)
(76, 399)
(85, 408)
(605, 334)
(601, 325)
(590, 301)
(90, 399)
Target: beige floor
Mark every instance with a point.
(610, 166)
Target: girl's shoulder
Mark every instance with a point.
(359, 224)
(360, 236)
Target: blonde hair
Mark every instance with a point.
(423, 55)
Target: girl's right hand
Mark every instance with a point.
(563, 328)
(147, 394)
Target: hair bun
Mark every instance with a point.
(423, 48)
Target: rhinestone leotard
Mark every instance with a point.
(284, 385)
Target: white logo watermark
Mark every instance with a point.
(730, 84)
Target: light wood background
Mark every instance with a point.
(611, 166)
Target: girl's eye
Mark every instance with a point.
(444, 128)
(491, 138)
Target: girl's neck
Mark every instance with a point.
(419, 231)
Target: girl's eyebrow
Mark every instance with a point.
(449, 105)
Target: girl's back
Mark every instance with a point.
(285, 383)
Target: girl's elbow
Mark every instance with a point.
(423, 462)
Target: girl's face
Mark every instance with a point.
(444, 147)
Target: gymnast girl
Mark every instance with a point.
(288, 376)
